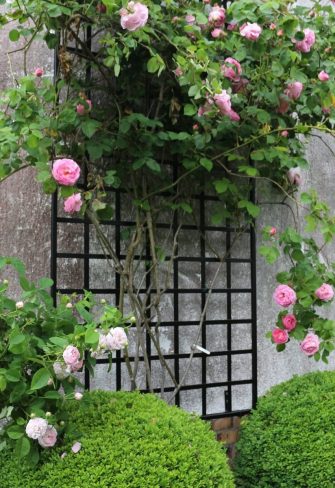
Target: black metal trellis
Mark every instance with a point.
(226, 323)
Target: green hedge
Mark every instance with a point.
(289, 440)
(129, 440)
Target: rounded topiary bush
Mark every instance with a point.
(289, 440)
(129, 440)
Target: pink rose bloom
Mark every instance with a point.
(232, 26)
(39, 72)
(190, 19)
(231, 69)
(294, 90)
(36, 428)
(280, 33)
(217, 16)
(279, 336)
(251, 31)
(49, 439)
(289, 321)
(273, 231)
(83, 109)
(216, 33)
(310, 345)
(272, 26)
(234, 116)
(66, 172)
(284, 133)
(284, 105)
(323, 76)
(305, 45)
(76, 447)
(284, 296)
(116, 339)
(71, 355)
(222, 101)
(134, 16)
(325, 292)
(76, 366)
(294, 176)
(73, 204)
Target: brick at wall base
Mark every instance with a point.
(227, 431)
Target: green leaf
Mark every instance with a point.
(207, 164)
(91, 336)
(250, 207)
(89, 127)
(59, 341)
(14, 35)
(15, 431)
(40, 379)
(270, 253)
(52, 395)
(45, 283)
(221, 186)
(190, 110)
(22, 447)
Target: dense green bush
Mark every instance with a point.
(289, 440)
(128, 440)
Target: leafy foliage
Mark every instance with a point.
(289, 440)
(128, 440)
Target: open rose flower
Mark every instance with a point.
(293, 90)
(71, 355)
(36, 428)
(66, 172)
(251, 31)
(311, 344)
(77, 366)
(325, 292)
(231, 69)
(289, 321)
(284, 296)
(217, 33)
(323, 76)
(294, 176)
(49, 439)
(305, 45)
(73, 203)
(116, 339)
(134, 16)
(222, 101)
(217, 16)
(279, 336)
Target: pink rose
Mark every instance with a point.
(73, 204)
(294, 90)
(234, 116)
(82, 109)
(36, 428)
(217, 16)
(134, 16)
(71, 355)
(310, 345)
(284, 133)
(325, 292)
(116, 339)
(66, 172)
(76, 366)
(289, 321)
(222, 101)
(190, 19)
(323, 76)
(284, 296)
(49, 439)
(76, 447)
(273, 231)
(251, 31)
(272, 26)
(232, 26)
(305, 45)
(279, 336)
(231, 69)
(216, 33)
(39, 72)
(294, 176)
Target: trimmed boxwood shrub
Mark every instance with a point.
(289, 440)
(129, 440)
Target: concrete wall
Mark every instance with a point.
(25, 233)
